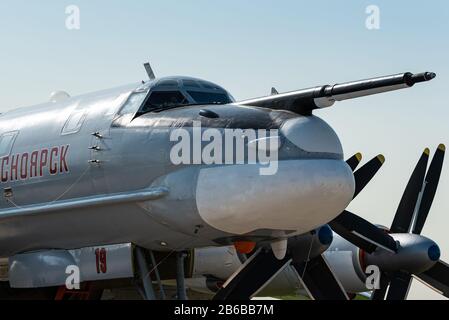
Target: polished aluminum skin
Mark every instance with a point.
(116, 183)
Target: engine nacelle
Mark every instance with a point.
(347, 262)
(217, 262)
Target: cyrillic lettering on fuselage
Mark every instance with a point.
(29, 165)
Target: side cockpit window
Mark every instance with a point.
(133, 103)
(129, 108)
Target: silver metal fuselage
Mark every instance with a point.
(82, 151)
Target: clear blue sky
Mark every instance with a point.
(248, 47)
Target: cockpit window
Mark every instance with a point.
(209, 97)
(209, 85)
(162, 99)
(167, 83)
(133, 103)
(190, 83)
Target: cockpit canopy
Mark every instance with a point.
(172, 92)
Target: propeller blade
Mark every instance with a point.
(352, 238)
(366, 173)
(437, 278)
(431, 184)
(399, 286)
(259, 269)
(354, 161)
(379, 294)
(404, 214)
(350, 223)
(319, 280)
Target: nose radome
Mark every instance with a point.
(312, 134)
(300, 196)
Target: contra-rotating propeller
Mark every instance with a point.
(415, 254)
(409, 221)
(319, 279)
(355, 229)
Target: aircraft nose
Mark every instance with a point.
(302, 195)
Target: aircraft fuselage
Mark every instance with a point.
(95, 145)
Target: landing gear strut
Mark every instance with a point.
(180, 283)
(142, 268)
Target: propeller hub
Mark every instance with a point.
(310, 245)
(415, 254)
(434, 253)
(325, 235)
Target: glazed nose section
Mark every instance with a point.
(302, 195)
(313, 135)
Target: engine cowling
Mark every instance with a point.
(348, 263)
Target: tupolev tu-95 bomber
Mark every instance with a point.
(173, 181)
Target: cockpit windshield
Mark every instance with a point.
(164, 99)
(169, 93)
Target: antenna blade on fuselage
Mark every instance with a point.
(149, 71)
